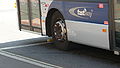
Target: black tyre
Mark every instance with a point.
(59, 31)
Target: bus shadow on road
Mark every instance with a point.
(23, 42)
(96, 53)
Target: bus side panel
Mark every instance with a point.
(88, 34)
(87, 24)
(44, 10)
(86, 12)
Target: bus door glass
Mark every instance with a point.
(117, 21)
(24, 14)
(35, 15)
(30, 15)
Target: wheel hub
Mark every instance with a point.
(60, 30)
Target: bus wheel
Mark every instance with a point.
(59, 32)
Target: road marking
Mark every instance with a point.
(28, 60)
(21, 46)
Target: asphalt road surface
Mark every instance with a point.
(37, 54)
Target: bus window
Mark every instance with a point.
(25, 22)
(24, 12)
(30, 15)
(35, 11)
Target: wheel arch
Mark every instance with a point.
(48, 20)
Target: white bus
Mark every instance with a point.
(91, 22)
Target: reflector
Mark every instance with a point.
(101, 5)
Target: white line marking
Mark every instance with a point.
(28, 60)
(20, 46)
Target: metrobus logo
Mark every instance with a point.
(81, 12)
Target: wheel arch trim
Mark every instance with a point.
(48, 23)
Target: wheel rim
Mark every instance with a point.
(60, 30)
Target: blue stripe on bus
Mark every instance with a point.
(82, 11)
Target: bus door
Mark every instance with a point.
(29, 13)
(117, 22)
